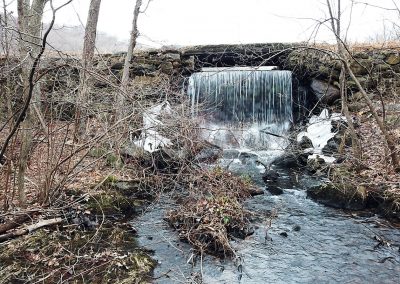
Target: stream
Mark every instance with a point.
(295, 240)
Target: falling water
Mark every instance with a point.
(242, 107)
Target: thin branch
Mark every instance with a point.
(35, 66)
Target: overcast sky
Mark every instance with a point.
(190, 22)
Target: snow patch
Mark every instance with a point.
(150, 140)
(319, 131)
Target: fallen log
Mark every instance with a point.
(30, 228)
(16, 222)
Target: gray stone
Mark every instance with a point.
(393, 59)
(317, 164)
(361, 67)
(331, 147)
(325, 92)
(172, 56)
(305, 143)
(189, 63)
(167, 68)
(332, 196)
(208, 154)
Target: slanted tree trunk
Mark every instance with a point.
(336, 28)
(87, 61)
(129, 54)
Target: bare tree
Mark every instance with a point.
(87, 60)
(344, 53)
(129, 54)
(30, 25)
(32, 47)
(336, 28)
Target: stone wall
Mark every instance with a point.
(316, 72)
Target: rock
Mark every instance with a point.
(339, 126)
(284, 234)
(393, 107)
(314, 165)
(361, 55)
(333, 196)
(356, 106)
(275, 190)
(270, 176)
(286, 161)
(305, 143)
(296, 228)
(254, 191)
(361, 70)
(142, 69)
(231, 154)
(189, 63)
(171, 56)
(167, 68)
(393, 59)
(117, 66)
(247, 155)
(331, 147)
(209, 153)
(131, 151)
(325, 92)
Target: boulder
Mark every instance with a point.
(393, 59)
(172, 56)
(331, 147)
(333, 196)
(325, 92)
(317, 164)
(270, 176)
(361, 55)
(291, 160)
(117, 66)
(167, 68)
(142, 69)
(305, 143)
(365, 82)
(274, 190)
(208, 154)
(189, 63)
(361, 70)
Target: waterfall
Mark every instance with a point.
(241, 107)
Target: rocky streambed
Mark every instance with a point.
(295, 239)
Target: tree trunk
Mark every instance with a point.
(30, 26)
(128, 58)
(355, 143)
(87, 61)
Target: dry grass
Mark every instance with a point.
(212, 212)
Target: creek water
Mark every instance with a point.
(295, 240)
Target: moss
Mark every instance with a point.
(345, 196)
(114, 160)
(97, 152)
(113, 203)
(107, 255)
